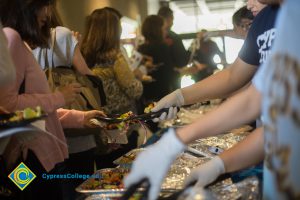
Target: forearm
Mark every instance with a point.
(226, 117)
(70, 118)
(246, 153)
(209, 88)
(221, 84)
(80, 64)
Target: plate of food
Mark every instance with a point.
(21, 118)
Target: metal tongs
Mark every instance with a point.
(143, 184)
(177, 194)
(142, 117)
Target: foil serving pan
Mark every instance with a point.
(173, 181)
(127, 159)
(97, 184)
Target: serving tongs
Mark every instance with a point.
(180, 192)
(177, 194)
(142, 117)
(143, 184)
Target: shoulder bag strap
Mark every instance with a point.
(48, 67)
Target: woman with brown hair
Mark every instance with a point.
(154, 31)
(101, 50)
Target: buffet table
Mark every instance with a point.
(196, 154)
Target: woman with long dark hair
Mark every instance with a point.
(42, 153)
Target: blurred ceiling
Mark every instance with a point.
(202, 7)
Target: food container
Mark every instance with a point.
(108, 183)
(127, 159)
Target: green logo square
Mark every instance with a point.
(21, 176)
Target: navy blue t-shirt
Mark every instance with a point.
(260, 37)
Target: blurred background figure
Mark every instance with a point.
(179, 55)
(203, 56)
(241, 20)
(154, 31)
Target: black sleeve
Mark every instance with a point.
(179, 54)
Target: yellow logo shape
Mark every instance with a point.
(22, 176)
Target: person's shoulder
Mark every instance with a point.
(62, 31)
(12, 35)
(264, 19)
(266, 11)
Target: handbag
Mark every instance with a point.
(92, 94)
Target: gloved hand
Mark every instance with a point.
(206, 173)
(154, 162)
(173, 99)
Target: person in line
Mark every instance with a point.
(172, 39)
(180, 56)
(153, 30)
(101, 50)
(63, 51)
(63, 48)
(42, 152)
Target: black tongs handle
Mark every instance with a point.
(133, 188)
(152, 115)
(177, 194)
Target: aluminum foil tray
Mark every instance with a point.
(180, 169)
(108, 183)
(127, 159)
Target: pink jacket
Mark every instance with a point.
(47, 149)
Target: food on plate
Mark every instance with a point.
(108, 179)
(27, 113)
(147, 78)
(149, 107)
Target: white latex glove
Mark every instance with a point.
(173, 99)
(206, 173)
(154, 162)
